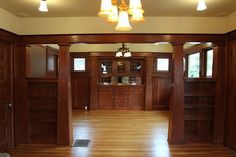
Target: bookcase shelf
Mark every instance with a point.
(199, 109)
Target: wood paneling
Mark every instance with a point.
(161, 90)
(6, 129)
(80, 87)
(231, 92)
(42, 103)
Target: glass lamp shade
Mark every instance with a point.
(119, 54)
(123, 22)
(43, 6)
(106, 8)
(201, 5)
(114, 16)
(127, 54)
(135, 5)
(137, 16)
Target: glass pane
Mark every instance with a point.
(136, 67)
(194, 65)
(209, 63)
(120, 67)
(162, 64)
(79, 64)
(106, 67)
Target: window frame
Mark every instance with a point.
(203, 62)
(162, 56)
(84, 55)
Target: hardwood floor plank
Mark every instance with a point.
(123, 134)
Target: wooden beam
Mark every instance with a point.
(176, 123)
(64, 114)
(119, 38)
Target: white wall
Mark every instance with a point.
(79, 25)
(113, 47)
(9, 22)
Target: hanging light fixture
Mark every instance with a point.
(43, 6)
(123, 22)
(114, 15)
(123, 51)
(106, 8)
(109, 10)
(201, 5)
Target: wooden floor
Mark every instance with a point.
(123, 134)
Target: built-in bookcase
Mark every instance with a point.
(199, 109)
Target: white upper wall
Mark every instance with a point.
(83, 25)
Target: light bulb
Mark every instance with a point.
(123, 22)
(106, 8)
(201, 5)
(43, 6)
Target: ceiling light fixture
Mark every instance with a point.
(201, 5)
(123, 51)
(109, 10)
(43, 6)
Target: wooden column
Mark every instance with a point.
(64, 113)
(148, 91)
(220, 99)
(94, 83)
(20, 105)
(176, 120)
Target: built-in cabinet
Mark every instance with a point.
(121, 83)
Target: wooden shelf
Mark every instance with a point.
(199, 95)
(189, 106)
(197, 117)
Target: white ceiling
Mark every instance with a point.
(84, 8)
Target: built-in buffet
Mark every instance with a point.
(121, 83)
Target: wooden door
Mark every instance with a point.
(5, 96)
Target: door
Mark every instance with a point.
(5, 96)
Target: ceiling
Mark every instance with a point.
(85, 8)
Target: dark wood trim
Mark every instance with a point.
(119, 38)
(8, 36)
(64, 115)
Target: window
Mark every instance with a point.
(194, 65)
(209, 62)
(162, 64)
(79, 64)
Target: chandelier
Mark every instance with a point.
(123, 51)
(109, 10)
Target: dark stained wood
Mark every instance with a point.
(119, 38)
(20, 97)
(94, 83)
(176, 121)
(148, 83)
(64, 114)
(220, 100)
(42, 99)
(161, 90)
(8, 36)
(6, 130)
(231, 95)
(105, 97)
(80, 87)
(199, 109)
